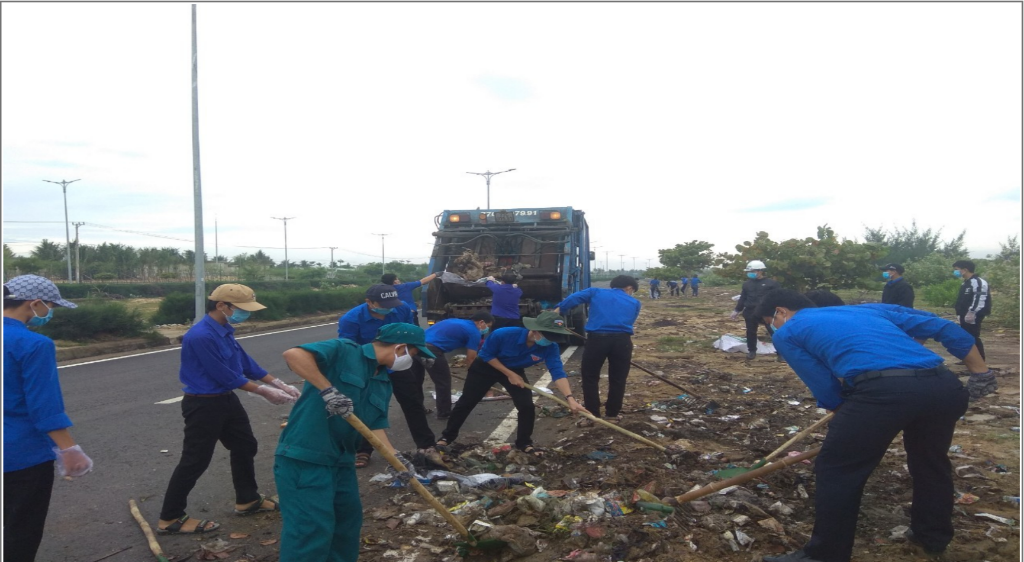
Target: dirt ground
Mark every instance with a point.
(578, 502)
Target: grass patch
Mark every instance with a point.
(672, 344)
(146, 307)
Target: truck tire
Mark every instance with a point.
(579, 321)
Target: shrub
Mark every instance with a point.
(711, 278)
(942, 294)
(94, 320)
(176, 308)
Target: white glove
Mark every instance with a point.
(408, 474)
(735, 314)
(273, 395)
(337, 404)
(970, 317)
(291, 390)
(72, 461)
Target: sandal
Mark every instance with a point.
(175, 528)
(584, 422)
(257, 507)
(362, 459)
(442, 445)
(535, 451)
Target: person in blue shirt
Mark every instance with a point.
(382, 307)
(405, 291)
(863, 363)
(213, 366)
(683, 282)
(609, 337)
(673, 288)
(694, 284)
(655, 289)
(35, 424)
(447, 336)
(505, 301)
(503, 360)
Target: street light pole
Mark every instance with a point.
(621, 266)
(488, 175)
(285, 220)
(606, 266)
(67, 229)
(634, 263)
(78, 266)
(332, 254)
(381, 249)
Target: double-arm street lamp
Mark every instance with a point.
(67, 229)
(488, 175)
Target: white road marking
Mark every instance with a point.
(179, 347)
(508, 425)
(171, 401)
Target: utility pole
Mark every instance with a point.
(648, 264)
(197, 183)
(606, 266)
(621, 266)
(595, 253)
(381, 249)
(216, 246)
(285, 219)
(78, 267)
(488, 175)
(332, 254)
(634, 263)
(67, 230)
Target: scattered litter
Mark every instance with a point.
(956, 449)
(966, 499)
(979, 417)
(780, 508)
(741, 520)
(898, 532)
(601, 455)
(792, 429)
(731, 541)
(968, 471)
(657, 524)
(743, 538)
(1002, 520)
(1015, 500)
(772, 525)
(797, 454)
(165, 451)
(794, 402)
(746, 390)
(238, 536)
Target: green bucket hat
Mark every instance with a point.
(549, 322)
(400, 332)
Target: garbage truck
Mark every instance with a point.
(547, 249)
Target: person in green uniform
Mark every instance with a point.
(315, 460)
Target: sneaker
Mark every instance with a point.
(751, 355)
(911, 538)
(443, 416)
(434, 457)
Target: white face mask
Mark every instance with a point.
(402, 362)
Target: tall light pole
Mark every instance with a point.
(197, 184)
(332, 254)
(488, 175)
(621, 266)
(634, 263)
(285, 220)
(78, 266)
(606, 266)
(648, 263)
(595, 251)
(67, 229)
(381, 249)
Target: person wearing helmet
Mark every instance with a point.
(754, 289)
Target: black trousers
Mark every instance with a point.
(673, 291)
(479, 379)
(407, 386)
(441, 373)
(655, 292)
(208, 420)
(502, 322)
(26, 503)
(618, 350)
(926, 410)
(753, 323)
(974, 330)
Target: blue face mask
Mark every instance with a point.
(885, 275)
(543, 342)
(384, 311)
(956, 273)
(238, 315)
(752, 275)
(771, 325)
(37, 320)
(485, 331)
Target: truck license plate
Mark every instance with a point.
(504, 216)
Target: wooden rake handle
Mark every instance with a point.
(746, 477)
(828, 417)
(368, 434)
(146, 530)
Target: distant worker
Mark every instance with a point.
(609, 336)
(754, 289)
(405, 291)
(862, 363)
(684, 282)
(35, 423)
(694, 284)
(897, 290)
(321, 512)
(823, 297)
(505, 301)
(655, 288)
(503, 360)
(213, 366)
(446, 336)
(361, 325)
(973, 302)
(673, 287)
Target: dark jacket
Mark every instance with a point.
(974, 296)
(752, 293)
(898, 292)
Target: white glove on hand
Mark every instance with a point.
(427, 362)
(735, 314)
(970, 317)
(273, 395)
(337, 404)
(291, 390)
(72, 461)
(408, 474)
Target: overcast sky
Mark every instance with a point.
(665, 123)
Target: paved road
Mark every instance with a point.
(120, 422)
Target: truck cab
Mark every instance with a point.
(547, 248)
